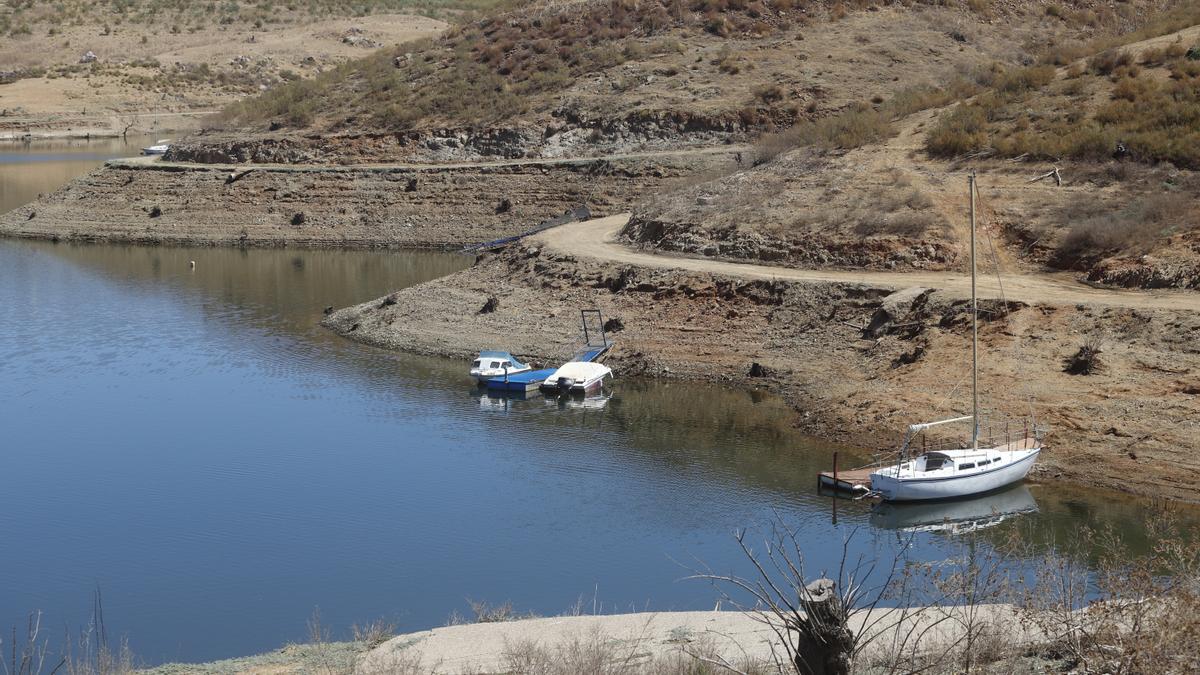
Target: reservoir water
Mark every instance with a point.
(193, 444)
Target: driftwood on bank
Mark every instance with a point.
(1057, 177)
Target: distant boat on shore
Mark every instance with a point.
(947, 472)
(160, 147)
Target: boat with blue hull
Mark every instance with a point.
(529, 380)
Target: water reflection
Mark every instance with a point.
(28, 169)
(958, 516)
(194, 443)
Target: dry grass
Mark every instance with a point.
(1134, 228)
(489, 70)
(602, 654)
(1151, 111)
(48, 18)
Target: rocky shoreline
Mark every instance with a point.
(374, 206)
(1131, 426)
(858, 363)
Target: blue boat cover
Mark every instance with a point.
(520, 381)
(501, 355)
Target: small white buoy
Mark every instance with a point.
(192, 264)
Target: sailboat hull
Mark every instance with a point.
(919, 488)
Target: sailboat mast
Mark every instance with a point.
(974, 327)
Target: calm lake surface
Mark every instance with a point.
(192, 443)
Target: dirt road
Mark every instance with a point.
(597, 239)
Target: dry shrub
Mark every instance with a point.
(1153, 56)
(1134, 614)
(1106, 62)
(1135, 89)
(769, 93)
(981, 7)
(959, 131)
(1021, 80)
(1128, 230)
(374, 633)
(487, 613)
(853, 128)
(597, 652)
(1086, 361)
(909, 224)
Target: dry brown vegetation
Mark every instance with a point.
(26, 17)
(1119, 103)
(489, 70)
(498, 68)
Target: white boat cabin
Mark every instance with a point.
(578, 377)
(494, 364)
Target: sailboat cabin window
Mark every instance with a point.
(477, 363)
(985, 462)
(934, 462)
(968, 465)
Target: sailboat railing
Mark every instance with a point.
(992, 434)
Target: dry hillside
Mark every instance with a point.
(551, 79)
(68, 66)
(883, 186)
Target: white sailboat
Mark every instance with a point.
(945, 473)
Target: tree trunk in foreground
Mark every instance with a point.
(825, 643)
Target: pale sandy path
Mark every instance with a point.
(640, 640)
(598, 239)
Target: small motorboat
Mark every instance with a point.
(159, 148)
(493, 364)
(519, 382)
(578, 377)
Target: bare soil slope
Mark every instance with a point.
(597, 77)
(97, 74)
(1122, 208)
(321, 205)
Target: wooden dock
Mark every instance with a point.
(851, 480)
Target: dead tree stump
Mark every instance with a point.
(824, 643)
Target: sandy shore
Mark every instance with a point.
(641, 642)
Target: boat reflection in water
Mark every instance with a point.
(955, 517)
(504, 400)
(584, 402)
